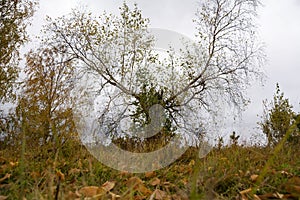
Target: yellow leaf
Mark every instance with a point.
(155, 181)
(13, 164)
(246, 191)
(114, 196)
(91, 191)
(192, 163)
(254, 177)
(60, 175)
(108, 185)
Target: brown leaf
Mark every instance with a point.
(253, 177)
(286, 173)
(256, 197)
(124, 173)
(139, 197)
(108, 185)
(72, 195)
(2, 160)
(91, 191)
(35, 175)
(3, 197)
(73, 171)
(192, 163)
(13, 164)
(137, 184)
(114, 196)
(246, 191)
(5, 177)
(176, 197)
(182, 194)
(159, 194)
(144, 190)
(184, 181)
(150, 174)
(267, 196)
(60, 175)
(243, 194)
(293, 186)
(133, 181)
(155, 181)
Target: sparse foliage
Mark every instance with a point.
(119, 50)
(234, 138)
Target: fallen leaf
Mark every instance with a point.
(108, 185)
(267, 196)
(13, 164)
(184, 181)
(137, 184)
(114, 196)
(2, 160)
(91, 191)
(72, 195)
(181, 194)
(133, 181)
(246, 191)
(159, 194)
(143, 189)
(286, 173)
(293, 186)
(254, 177)
(124, 173)
(5, 177)
(168, 184)
(35, 175)
(60, 175)
(139, 197)
(176, 197)
(74, 171)
(243, 194)
(278, 195)
(155, 181)
(150, 174)
(3, 197)
(192, 163)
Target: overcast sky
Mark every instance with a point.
(279, 23)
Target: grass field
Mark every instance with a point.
(228, 172)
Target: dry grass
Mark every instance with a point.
(232, 172)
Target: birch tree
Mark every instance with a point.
(118, 51)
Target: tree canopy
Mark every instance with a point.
(130, 76)
(14, 17)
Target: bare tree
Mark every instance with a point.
(118, 51)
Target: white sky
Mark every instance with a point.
(279, 28)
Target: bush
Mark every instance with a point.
(277, 118)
